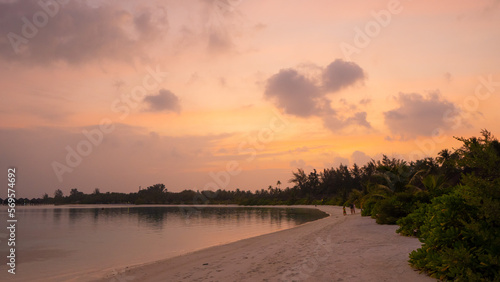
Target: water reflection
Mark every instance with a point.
(77, 214)
(96, 215)
(155, 217)
(93, 237)
(57, 215)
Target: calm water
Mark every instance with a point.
(61, 243)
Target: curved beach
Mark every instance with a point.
(335, 248)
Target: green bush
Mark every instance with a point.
(388, 211)
(454, 240)
(411, 224)
(395, 207)
(411, 201)
(331, 202)
(460, 231)
(368, 206)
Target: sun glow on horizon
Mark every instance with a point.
(188, 87)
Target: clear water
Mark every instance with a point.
(86, 242)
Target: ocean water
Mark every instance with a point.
(80, 243)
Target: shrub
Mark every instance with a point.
(411, 224)
(368, 206)
(460, 231)
(457, 244)
(397, 206)
(388, 211)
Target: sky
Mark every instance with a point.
(227, 94)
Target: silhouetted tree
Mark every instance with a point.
(58, 197)
(58, 194)
(75, 196)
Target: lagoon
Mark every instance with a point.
(81, 243)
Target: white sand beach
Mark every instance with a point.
(336, 248)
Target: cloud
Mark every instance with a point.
(359, 118)
(418, 115)
(306, 96)
(365, 101)
(164, 101)
(360, 158)
(340, 74)
(337, 161)
(293, 92)
(76, 32)
(298, 163)
(222, 18)
(335, 123)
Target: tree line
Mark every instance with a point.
(332, 186)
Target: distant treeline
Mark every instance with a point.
(332, 186)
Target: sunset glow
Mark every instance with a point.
(122, 94)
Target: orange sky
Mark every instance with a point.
(188, 89)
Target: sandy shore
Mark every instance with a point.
(336, 248)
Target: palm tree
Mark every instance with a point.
(395, 174)
(299, 179)
(444, 155)
(270, 188)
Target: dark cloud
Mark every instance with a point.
(293, 92)
(340, 74)
(334, 123)
(359, 118)
(164, 101)
(418, 115)
(75, 32)
(151, 25)
(306, 96)
(222, 17)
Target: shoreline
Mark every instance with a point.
(334, 248)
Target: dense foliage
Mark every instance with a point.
(460, 229)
